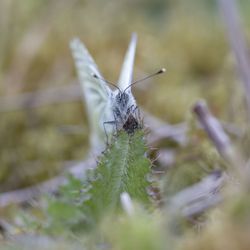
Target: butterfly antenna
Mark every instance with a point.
(106, 81)
(163, 70)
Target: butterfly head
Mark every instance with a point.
(122, 99)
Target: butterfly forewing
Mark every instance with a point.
(96, 93)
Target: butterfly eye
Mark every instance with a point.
(119, 97)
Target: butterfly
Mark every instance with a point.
(108, 110)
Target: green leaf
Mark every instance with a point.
(123, 167)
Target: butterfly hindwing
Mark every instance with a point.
(124, 82)
(126, 73)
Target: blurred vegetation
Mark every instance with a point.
(186, 37)
(122, 168)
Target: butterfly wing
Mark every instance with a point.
(96, 93)
(126, 74)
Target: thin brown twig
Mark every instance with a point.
(163, 130)
(213, 129)
(199, 197)
(220, 139)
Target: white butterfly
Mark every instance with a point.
(108, 110)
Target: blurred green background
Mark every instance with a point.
(186, 37)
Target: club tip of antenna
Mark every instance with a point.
(94, 75)
(163, 70)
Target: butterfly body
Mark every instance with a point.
(123, 107)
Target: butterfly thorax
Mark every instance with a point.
(123, 106)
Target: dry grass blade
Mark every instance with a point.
(237, 41)
(214, 129)
(50, 186)
(198, 198)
